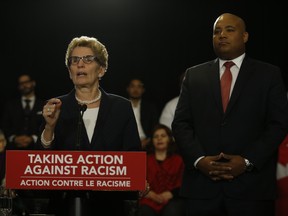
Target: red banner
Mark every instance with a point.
(75, 170)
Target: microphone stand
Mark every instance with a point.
(77, 201)
(82, 109)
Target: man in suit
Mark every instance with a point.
(22, 117)
(230, 156)
(21, 121)
(145, 111)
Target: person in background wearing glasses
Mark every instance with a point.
(22, 116)
(109, 124)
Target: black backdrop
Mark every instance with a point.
(153, 39)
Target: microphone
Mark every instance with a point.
(82, 109)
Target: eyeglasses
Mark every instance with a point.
(24, 82)
(86, 59)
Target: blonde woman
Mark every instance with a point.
(89, 119)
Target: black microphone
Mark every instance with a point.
(82, 109)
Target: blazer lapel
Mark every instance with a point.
(244, 74)
(104, 107)
(213, 74)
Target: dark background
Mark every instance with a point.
(153, 39)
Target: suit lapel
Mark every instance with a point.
(244, 74)
(213, 74)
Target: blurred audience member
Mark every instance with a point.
(22, 116)
(167, 114)
(164, 175)
(3, 143)
(145, 111)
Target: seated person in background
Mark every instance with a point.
(2, 157)
(3, 143)
(164, 175)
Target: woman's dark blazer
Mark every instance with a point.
(253, 126)
(115, 130)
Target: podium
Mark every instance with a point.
(76, 171)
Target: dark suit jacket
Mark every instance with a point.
(15, 122)
(115, 130)
(253, 126)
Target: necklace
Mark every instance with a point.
(91, 101)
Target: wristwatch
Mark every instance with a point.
(249, 165)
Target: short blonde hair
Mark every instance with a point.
(97, 47)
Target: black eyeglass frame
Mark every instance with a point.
(74, 60)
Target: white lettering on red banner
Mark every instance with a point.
(76, 170)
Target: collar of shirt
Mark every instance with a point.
(238, 61)
(234, 70)
(32, 101)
